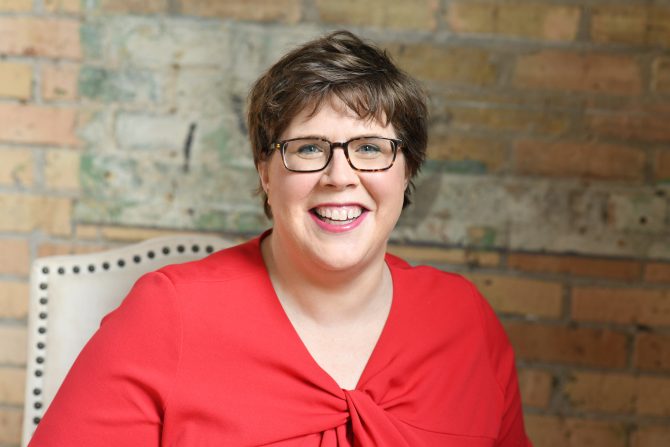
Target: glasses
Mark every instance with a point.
(312, 154)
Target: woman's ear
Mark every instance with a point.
(264, 175)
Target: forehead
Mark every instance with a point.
(333, 118)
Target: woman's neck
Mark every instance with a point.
(326, 297)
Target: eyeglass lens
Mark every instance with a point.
(313, 154)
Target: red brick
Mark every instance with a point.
(10, 426)
(12, 345)
(580, 159)
(59, 82)
(651, 436)
(16, 5)
(653, 396)
(261, 10)
(490, 154)
(12, 384)
(581, 266)
(660, 81)
(13, 299)
(17, 167)
(619, 393)
(535, 386)
(547, 122)
(32, 36)
(576, 346)
(652, 352)
(135, 234)
(70, 248)
(634, 105)
(135, 6)
(87, 232)
(521, 296)
(626, 306)
(551, 431)
(16, 80)
(539, 101)
(61, 169)
(442, 256)
(613, 393)
(14, 257)
(662, 166)
(415, 15)
(63, 6)
(581, 72)
(446, 64)
(642, 125)
(532, 20)
(38, 124)
(26, 213)
(631, 24)
(657, 272)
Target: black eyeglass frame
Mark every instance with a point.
(281, 146)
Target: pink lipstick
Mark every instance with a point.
(338, 219)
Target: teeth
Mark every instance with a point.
(341, 213)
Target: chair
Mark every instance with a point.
(69, 295)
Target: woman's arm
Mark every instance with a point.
(512, 432)
(117, 390)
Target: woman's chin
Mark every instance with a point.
(343, 254)
(345, 250)
(338, 262)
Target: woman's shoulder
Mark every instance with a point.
(453, 300)
(442, 292)
(426, 276)
(229, 263)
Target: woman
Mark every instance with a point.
(309, 335)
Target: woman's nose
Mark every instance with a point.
(339, 172)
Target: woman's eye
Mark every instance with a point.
(309, 149)
(368, 149)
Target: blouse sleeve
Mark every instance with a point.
(512, 432)
(116, 392)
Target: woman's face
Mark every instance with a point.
(337, 218)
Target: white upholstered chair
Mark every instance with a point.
(69, 295)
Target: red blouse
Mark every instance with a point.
(202, 354)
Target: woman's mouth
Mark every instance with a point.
(338, 215)
(338, 218)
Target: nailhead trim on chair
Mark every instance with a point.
(120, 263)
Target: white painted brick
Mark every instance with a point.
(142, 131)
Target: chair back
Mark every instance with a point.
(70, 294)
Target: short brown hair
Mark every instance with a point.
(360, 74)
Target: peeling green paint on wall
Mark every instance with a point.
(122, 86)
(217, 142)
(91, 40)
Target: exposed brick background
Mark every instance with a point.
(580, 72)
(547, 184)
(15, 80)
(575, 432)
(417, 15)
(59, 82)
(651, 436)
(263, 10)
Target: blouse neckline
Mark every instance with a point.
(295, 337)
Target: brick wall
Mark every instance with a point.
(547, 184)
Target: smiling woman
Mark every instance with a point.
(304, 203)
(310, 334)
